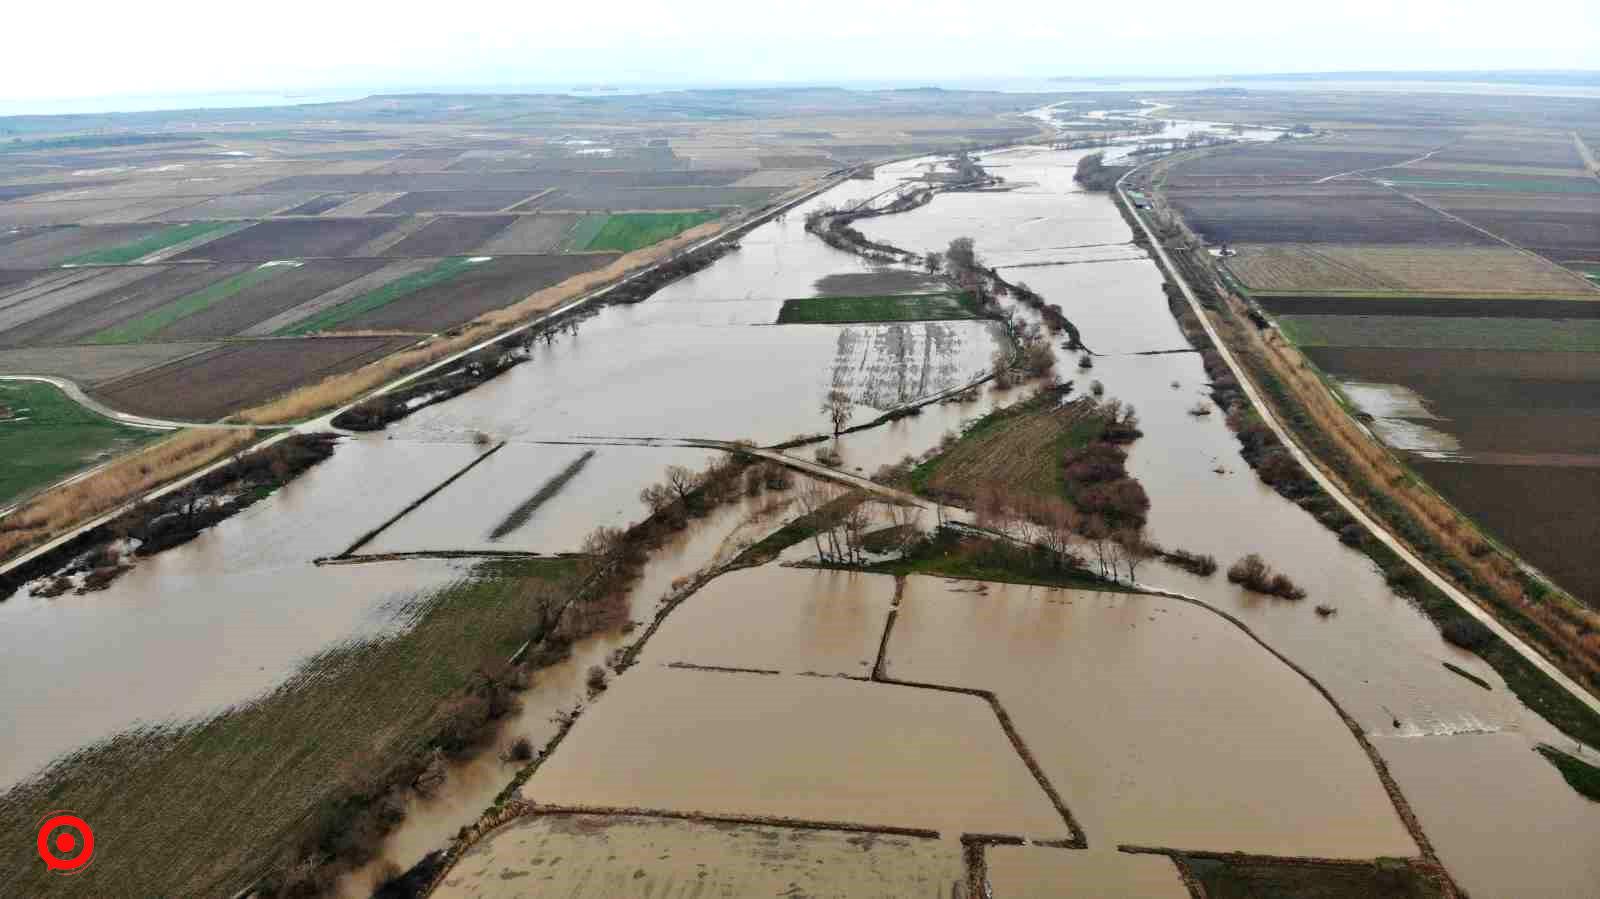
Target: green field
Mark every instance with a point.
(583, 232)
(45, 436)
(631, 231)
(909, 307)
(1443, 333)
(383, 296)
(154, 321)
(160, 240)
(196, 810)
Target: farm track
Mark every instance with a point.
(76, 393)
(1309, 463)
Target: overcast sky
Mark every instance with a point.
(186, 46)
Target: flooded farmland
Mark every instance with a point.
(1158, 722)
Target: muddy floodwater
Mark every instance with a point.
(795, 621)
(813, 748)
(1161, 723)
(1156, 720)
(217, 621)
(602, 857)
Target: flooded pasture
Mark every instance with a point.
(218, 621)
(603, 490)
(1161, 723)
(813, 748)
(1028, 871)
(789, 620)
(600, 857)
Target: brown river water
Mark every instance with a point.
(230, 616)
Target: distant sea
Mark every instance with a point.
(254, 99)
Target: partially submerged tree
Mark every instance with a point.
(839, 409)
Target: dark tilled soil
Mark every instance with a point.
(455, 201)
(238, 375)
(1549, 514)
(1547, 153)
(1322, 214)
(1407, 366)
(262, 301)
(319, 205)
(481, 288)
(292, 239)
(1433, 306)
(112, 307)
(451, 236)
(525, 181)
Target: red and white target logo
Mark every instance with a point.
(66, 844)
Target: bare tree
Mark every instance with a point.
(682, 481)
(1135, 551)
(658, 497)
(838, 408)
(855, 525)
(933, 262)
(813, 497)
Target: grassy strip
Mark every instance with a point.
(1449, 332)
(47, 436)
(951, 554)
(1243, 877)
(520, 515)
(631, 231)
(1584, 777)
(382, 296)
(198, 810)
(1457, 669)
(891, 308)
(162, 317)
(160, 240)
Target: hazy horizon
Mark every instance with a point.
(327, 49)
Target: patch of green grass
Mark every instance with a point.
(629, 231)
(583, 231)
(954, 555)
(382, 296)
(128, 252)
(1584, 777)
(156, 320)
(46, 436)
(197, 810)
(1446, 332)
(1246, 878)
(908, 307)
